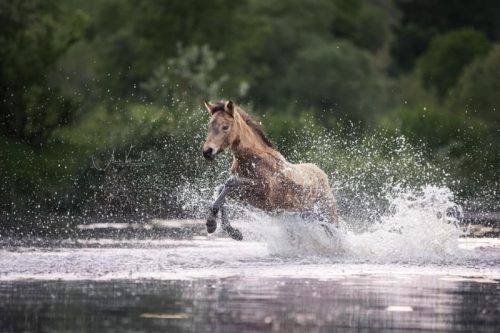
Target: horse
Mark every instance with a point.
(260, 175)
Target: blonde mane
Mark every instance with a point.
(256, 127)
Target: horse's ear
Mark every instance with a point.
(229, 107)
(209, 107)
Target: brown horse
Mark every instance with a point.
(261, 177)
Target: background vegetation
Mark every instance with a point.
(82, 82)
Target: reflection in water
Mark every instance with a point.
(214, 284)
(240, 304)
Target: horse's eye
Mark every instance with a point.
(225, 127)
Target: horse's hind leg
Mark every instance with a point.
(329, 217)
(329, 208)
(233, 232)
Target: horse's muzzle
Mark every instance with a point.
(209, 154)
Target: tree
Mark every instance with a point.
(34, 34)
(337, 77)
(133, 38)
(421, 20)
(361, 22)
(477, 91)
(187, 77)
(270, 34)
(448, 54)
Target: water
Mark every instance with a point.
(242, 304)
(398, 260)
(412, 269)
(219, 285)
(216, 258)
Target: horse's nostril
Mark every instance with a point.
(208, 153)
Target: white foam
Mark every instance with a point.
(415, 229)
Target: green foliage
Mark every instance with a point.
(466, 150)
(270, 34)
(34, 35)
(421, 20)
(283, 127)
(189, 77)
(101, 129)
(448, 54)
(336, 77)
(428, 126)
(82, 78)
(410, 41)
(477, 92)
(361, 22)
(39, 181)
(133, 38)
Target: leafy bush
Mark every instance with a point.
(467, 151)
(448, 54)
(39, 181)
(187, 76)
(421, 20)
(283, 127)
(34, 35)
(477, 92)
(361, 22)
(428, 126)
(336, 77)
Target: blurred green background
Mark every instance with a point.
(101, 101)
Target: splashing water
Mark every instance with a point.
(416, 230)
(393, 204)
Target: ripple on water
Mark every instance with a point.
(214, 257)
(415, 237)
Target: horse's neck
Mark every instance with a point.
(250, 152)
(250, 163)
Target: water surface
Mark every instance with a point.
(215, 284)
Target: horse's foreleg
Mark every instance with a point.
(214, 209)
(223, 191)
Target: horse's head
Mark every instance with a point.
(221, 132)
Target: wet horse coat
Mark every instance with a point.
(262, 177)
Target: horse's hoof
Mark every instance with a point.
(235, 233)
(211, 224)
